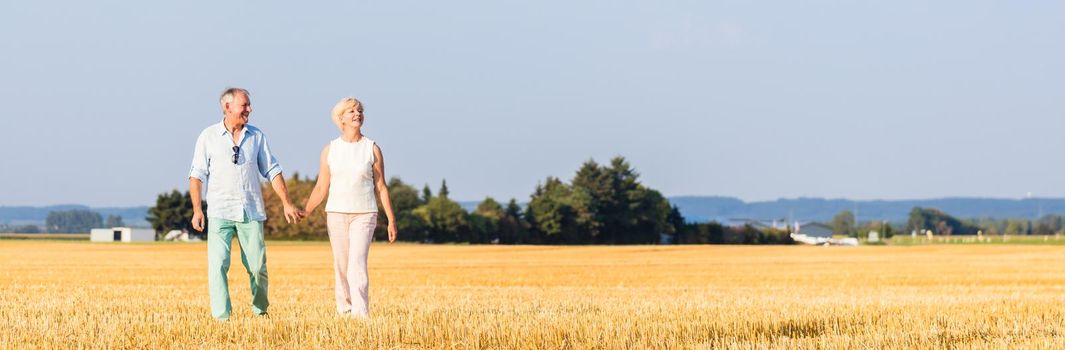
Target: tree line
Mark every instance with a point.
(601, 204)
(845, 224)
(1046, 225)
(921, 220)
(715, 233)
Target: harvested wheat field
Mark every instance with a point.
(82, 295)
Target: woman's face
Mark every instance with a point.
(352, 117)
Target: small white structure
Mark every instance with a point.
(176, 235)
(121, 234)
(814, 229)
(804, 239)
(820, 234)
(180, 236)
(874, 237)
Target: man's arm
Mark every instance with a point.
(271, 169)
(195, 186)
(292, 214)
(197, 175)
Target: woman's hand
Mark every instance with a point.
(392, 231)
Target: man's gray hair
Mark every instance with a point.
(227, 96)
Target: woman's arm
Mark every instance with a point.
(381, 187)
(321, 187)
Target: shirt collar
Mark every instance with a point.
(222, 128)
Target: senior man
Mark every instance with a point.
(229, 159)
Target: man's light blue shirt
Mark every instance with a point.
(233, 189)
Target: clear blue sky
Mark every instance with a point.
(101, 102)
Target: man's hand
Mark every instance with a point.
(293, 214)
(197, 220)
(197, 211)
(392, 231)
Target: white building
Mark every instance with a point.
(814, 229)
(122, 234)
(819, 234)
(183, 236)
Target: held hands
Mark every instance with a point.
(293, 215)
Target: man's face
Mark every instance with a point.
(239, 109)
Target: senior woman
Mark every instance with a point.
(352, 172)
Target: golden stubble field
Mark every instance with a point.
(83, 295)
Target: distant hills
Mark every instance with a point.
(132, 216)
(705, 208)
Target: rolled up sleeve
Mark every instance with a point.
(199, 160)
(268, 165)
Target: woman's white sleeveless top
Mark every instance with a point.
(351, 184)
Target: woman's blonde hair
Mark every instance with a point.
(343, 106)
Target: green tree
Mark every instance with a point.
(552, 214)
(602, 204)
(677, 225)
(404, 200)
(312, 227)
(443, 189)
(843, 224)
(1016, 227)
(485, 221)
(513, 228)
(917, 221)
(611, 206)
(114, 221)
(649, 212)
(1049, 224)
(445, 219)
(73, 221)
(427, 194)
(596, 202)
(939, 222)
(173, 211)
